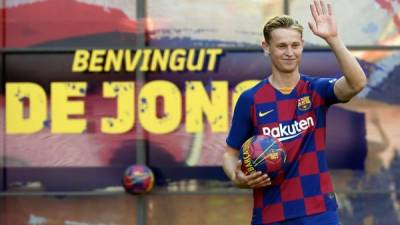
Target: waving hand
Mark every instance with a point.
(324, 24)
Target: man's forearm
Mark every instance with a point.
(351, 69)
(229, 165)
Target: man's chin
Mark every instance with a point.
(288, 70)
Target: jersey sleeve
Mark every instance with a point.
(325, 87)
(241, 127)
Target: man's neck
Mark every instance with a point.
(284, 80)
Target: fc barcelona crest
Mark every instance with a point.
(304, 103)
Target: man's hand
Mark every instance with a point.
(254, 180)
(324, 24)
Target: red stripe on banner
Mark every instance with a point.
(43, 21)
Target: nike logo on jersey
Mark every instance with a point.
(262, 114)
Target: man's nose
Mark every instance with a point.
(289, 51)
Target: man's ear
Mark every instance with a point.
(265, 46)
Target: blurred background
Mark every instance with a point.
(48, 178)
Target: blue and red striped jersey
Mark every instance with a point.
(298, 120)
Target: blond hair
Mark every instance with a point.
(283, 21)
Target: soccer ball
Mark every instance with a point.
(263, 153)
(138, 179)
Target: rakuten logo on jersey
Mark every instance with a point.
(290, 131)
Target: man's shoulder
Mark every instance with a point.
(249, 93)
(309, 78)
(316, 80)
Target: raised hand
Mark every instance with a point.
(324, 24)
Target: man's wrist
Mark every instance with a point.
(334, 41)
(236, 182)
(233, 177)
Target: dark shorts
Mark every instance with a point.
(326, 218)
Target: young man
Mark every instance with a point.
(295, 105)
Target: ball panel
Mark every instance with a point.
(263, 153)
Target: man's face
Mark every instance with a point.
(285, 49)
